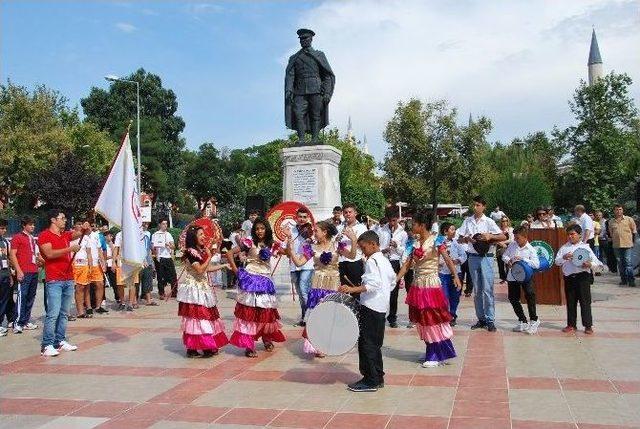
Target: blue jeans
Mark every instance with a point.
(481, 271)
(58, 295)
(450, 291)
(302, 281)
(26, 296)
(623, 256)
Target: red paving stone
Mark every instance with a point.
(104, 409)
(260, 375)
(482, 394)
(417, 422)
(248, 416)
(357, 421)
(538, 383)
(151, 411)
(496, 410)
(302, 419)
(196, 414)
(484, 381)
(41, 406)
(627, 386)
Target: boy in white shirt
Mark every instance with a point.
(521, 250)
(577, 280)
(377, 282)
(457, 253)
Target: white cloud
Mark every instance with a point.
(515, 62)
(126, 27)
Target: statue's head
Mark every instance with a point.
(306, 36)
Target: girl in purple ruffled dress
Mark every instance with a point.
(326, 278)
(256, 308)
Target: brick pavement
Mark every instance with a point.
(130, 372)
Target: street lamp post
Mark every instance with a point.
(113, 78)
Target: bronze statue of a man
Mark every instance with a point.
(308, 87)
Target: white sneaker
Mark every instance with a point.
(533, 327)
(17, 329)
(50, 351)
(30, 326)
(3, 331)
(67, 347)
(521, 327)
(430, 364)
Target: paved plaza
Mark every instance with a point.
(130, 372)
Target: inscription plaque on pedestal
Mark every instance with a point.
(305, 185)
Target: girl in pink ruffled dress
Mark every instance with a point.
(428, 306)
(202, 328)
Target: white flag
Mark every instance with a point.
(119, 203)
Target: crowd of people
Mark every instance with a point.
(347, 253)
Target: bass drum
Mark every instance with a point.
(332, 327)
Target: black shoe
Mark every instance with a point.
(122, 307)
(361, 386)
(129, 308)
(301, 324)
(453, 322)
(209, 353)
(90, 312)
(381, 385)
(393, 324)
(71, 318)
(491, 327)
(101, 310)
(479, 325)
(192, 353)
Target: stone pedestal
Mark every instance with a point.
(311, 176)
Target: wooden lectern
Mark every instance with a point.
(549, 285)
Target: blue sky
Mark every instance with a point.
(514, 62)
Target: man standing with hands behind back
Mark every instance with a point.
(56, 250)
(163, 246)
(481, 232)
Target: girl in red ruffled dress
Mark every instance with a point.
(428, 306)
(256, 308)
(202, 328)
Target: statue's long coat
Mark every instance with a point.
(328, 83)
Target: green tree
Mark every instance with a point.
(518, 193)
(37, 130)
(603, 144)
(160, 129)
(209, 174)
(424, 142)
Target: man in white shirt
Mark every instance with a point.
(377, 282)
(393, 240)
(497, 214)
(351, 270)
(96, 270)
(586, 224)
(301, 234)
(163, 246)
(481, 232)
(521, 250)
(577, 280)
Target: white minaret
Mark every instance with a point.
(595, 61)
(365, 145)
(350, 137)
